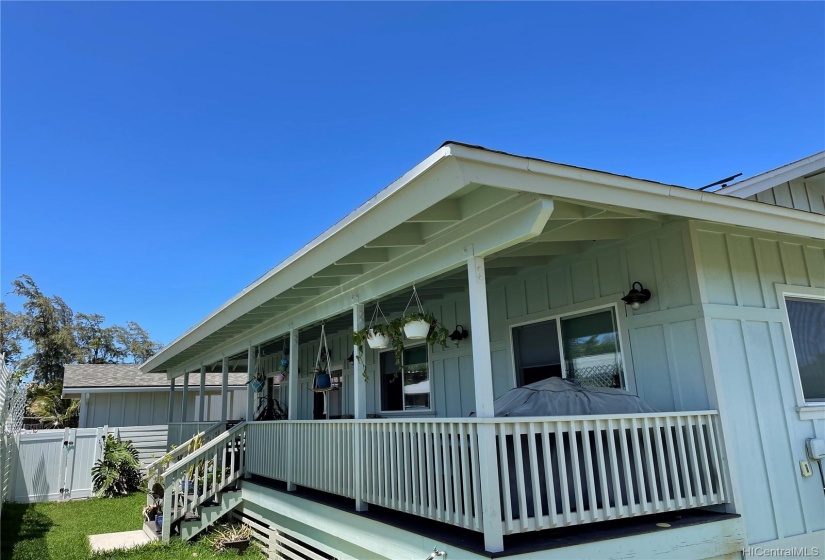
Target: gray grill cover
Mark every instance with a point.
(558, 397)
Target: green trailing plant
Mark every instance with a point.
(117, 473)
(394, 330)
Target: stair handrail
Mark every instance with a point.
(191, 457)
(187, 482)
(182, 450)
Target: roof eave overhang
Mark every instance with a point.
(455, 166)
(775, 177)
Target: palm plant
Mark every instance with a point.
(118, 472)
(46, 403)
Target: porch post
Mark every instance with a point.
(360, 408)
(224, 386)
(483, 381)
(360, 397)
(251, 368)
(202, 395)
(171, 404)
(184, 408)
(292, 404)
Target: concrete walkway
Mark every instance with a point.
(112, 541)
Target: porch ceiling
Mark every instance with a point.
(572, 228)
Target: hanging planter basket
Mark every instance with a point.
(377, 341)
(417, 330)
(257, 386)
(321, 379)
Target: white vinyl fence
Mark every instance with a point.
(55, 465)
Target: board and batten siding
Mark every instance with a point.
(147, 408)
(739, 271)
(801, 194)
(660, 341)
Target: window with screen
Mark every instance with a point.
(582, 347)
(408, 389)
(807, 321)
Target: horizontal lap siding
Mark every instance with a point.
(149, 441)
(739, 271)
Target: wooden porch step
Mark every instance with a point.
(149, 529)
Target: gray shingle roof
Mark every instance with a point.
(128, 375)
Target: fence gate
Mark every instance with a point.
(56, 465)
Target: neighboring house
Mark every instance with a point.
(533, 259)
(118, 395)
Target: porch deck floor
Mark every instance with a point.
(534, 541)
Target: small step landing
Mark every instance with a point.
(115, 541)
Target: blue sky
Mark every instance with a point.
(159, 157)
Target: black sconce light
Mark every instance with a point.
(459, 334)
(635, 298)
(351, 358)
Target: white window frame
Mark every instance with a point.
(568, 311)
(404, 411)
(813, 410)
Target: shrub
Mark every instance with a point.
(118, 472)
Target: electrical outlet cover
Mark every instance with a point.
(805, 467)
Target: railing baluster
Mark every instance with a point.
(577, 470)
(593, 503)
(675, 483)
(454, 460)
(694, 459)
(689, 490)
(463, 429)
(604, 485)
(518, 463)
(716, 459)
(561, 428)
(615, 466)
(630, 502)
(701, 422)
(476, 477)
(538, 513)
(505, 477)
(548, 476)
(651, 466)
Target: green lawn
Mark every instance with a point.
(58, 531)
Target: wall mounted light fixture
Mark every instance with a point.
(636, 297)
(459, 334)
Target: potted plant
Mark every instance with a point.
(230, 536)
(417, 325)
(378, 337)
(156, 493)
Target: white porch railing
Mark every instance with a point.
(200, 475)
(554, 471)
(179, 433)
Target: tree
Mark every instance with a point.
(59, 336)
(47, 323)
(137, 343)
(97, 344)
(11, 334)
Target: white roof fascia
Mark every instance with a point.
(491, 168)
(775, 177)
(478, 165)
(233, 308)
(148, 389)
